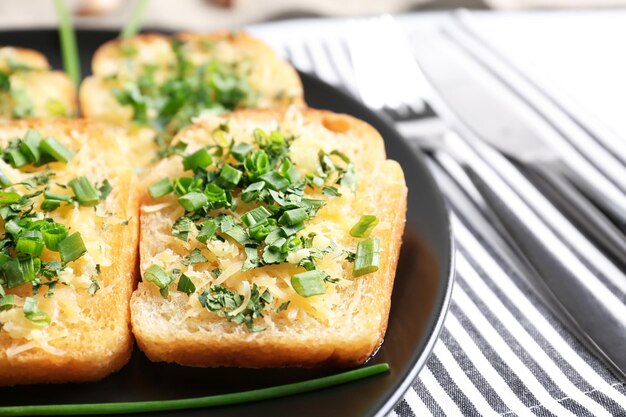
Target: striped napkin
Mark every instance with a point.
(502, 351)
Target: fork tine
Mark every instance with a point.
(298, 56)
(321, 64)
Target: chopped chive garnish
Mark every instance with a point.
(30, 145)
(160, 188)
(207, 230)
(39, 318)
(229, 177)
(240, 150)
(55, 196)
(7, 302)
(4, 180)
(19, 271)
(185, 285)
(30, 242)
(364, 226)
(198, 159)
(55, 149)
(275, 181)
(15, 157)
(367, 256)
(309, 283)
(85, 192)
(71, 248)
(9, 197)
(293, 217)
(67, 36)
(49, 204)
(53, 235)
(158, 276)
(255, 215)
(200, 402)
(193, 201)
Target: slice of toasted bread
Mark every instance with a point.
(34, 90)
(88, 336)
(344, 326)
(119, 64)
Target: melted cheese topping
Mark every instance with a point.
(71, 301)
(331, 225)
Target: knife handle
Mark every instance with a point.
(587, 217)
(605, 327)
(613, 209)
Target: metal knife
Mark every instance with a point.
(470, 102)
(504, 121)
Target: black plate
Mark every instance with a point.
(420, 298)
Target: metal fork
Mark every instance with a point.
(391, 84)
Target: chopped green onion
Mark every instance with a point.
(216, 195)
(309, 283)
(134, 23)
(237, 233)
(53, 235)
(12, 228)
(15, 157)
(200, 402)
(30, 145)
(7, 302)
(4, 180)
(31, 243)
(364, 226)
(105, 189)
(260, 230)
(160, 188)
(157, 276)
(193, 201)
(39, 318)
(55, 196)
(19, 271)
(67, 36)
(50, 204)
(207, 230)
(198, 159)
(229, 177)
(293, 229)
(367, 257)
(293, 217)
(255, 215)
(186, 285)
(85, 192)
(4, 258)
(251, 191)
(240, 150)
(9, 197)
(55, 149)
(275, 181)
(71, 248)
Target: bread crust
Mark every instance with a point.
(92, 352)
(169, 340)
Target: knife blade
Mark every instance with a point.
(506, 122)
(466, 93)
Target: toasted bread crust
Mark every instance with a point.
(90, 353)
(163, 337)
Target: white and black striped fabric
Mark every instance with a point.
(502, 351)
